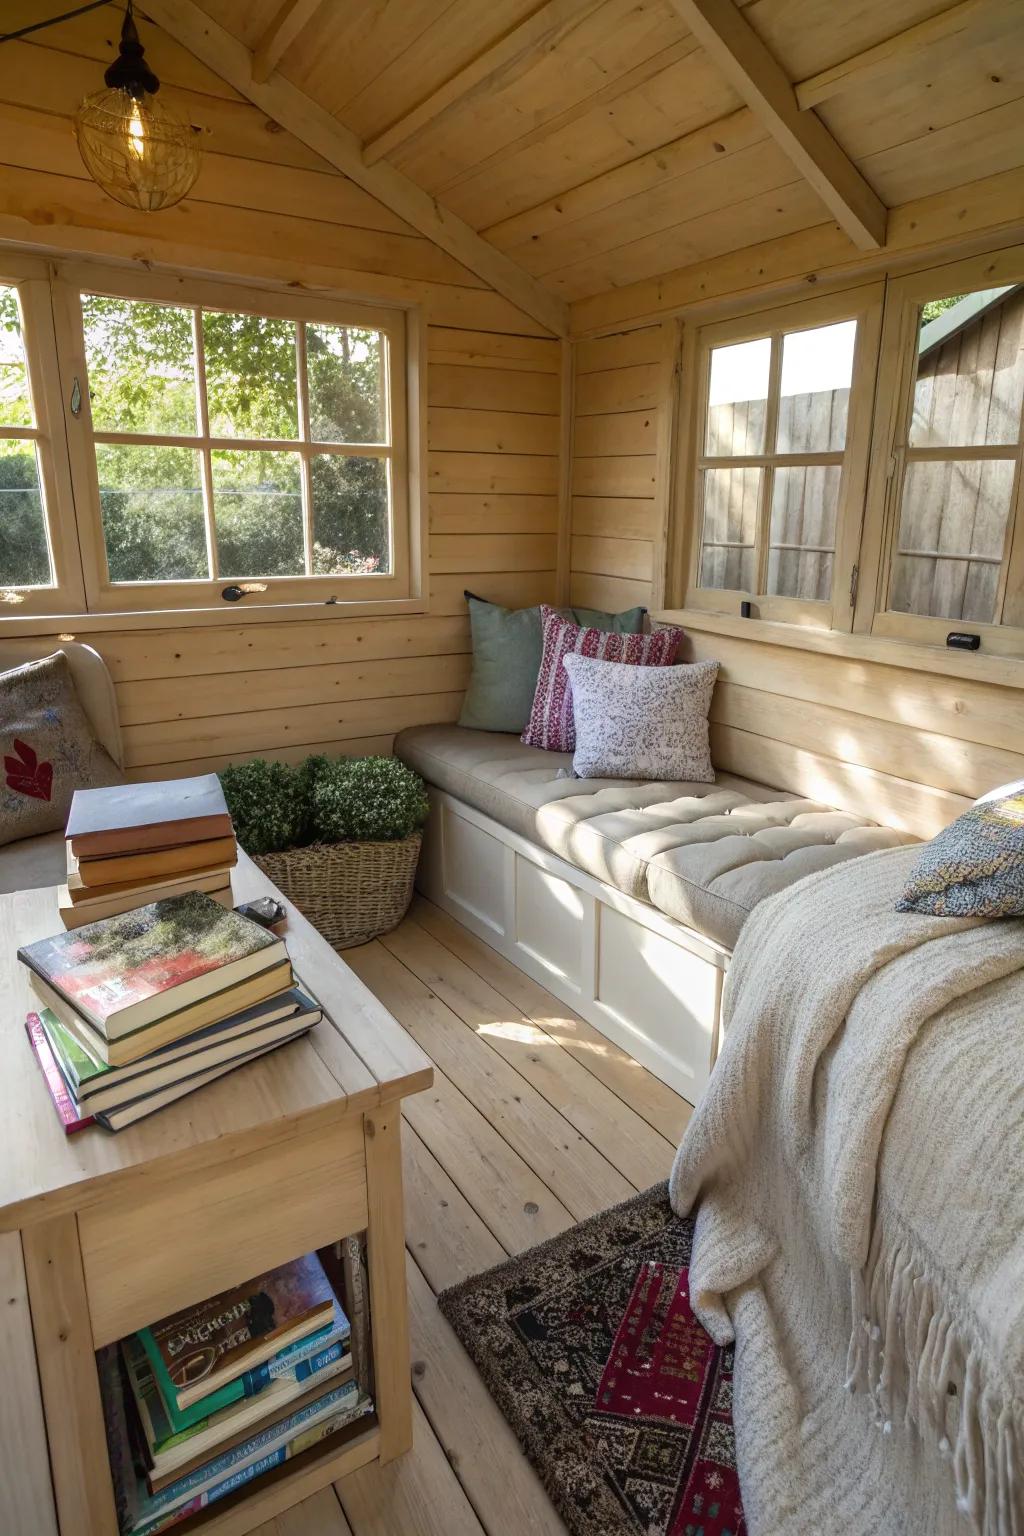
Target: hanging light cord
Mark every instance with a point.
(51, 21)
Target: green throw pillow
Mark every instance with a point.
(506, 659)
(975, 867)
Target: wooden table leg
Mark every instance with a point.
(68, 1376)
(389, 1309)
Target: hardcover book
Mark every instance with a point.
(96, 1085)
(127, 818)
(125, 972)
(196, 1350)
(124, 869)
(68, 1112)
(75, 914)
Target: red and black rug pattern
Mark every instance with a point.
(618, 1396)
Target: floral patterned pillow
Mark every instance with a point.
(975, 867)
(642, 722)
(48, 749)
(551, 719)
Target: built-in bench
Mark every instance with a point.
(625, 899)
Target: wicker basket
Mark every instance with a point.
(351, 892)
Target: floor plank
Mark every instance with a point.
(534, 1120)
(417, 1495)
(653, 1100)
(640, 1153)
(574, 1171)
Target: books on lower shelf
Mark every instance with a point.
(167, 1462)
(132, 843)
(138, 1010)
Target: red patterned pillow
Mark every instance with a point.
(551, 724)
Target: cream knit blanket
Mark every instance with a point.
(857, 1170)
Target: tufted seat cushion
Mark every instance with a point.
(704, 854)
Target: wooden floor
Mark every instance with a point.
(534, 1121)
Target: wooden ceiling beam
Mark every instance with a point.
(757, 76)
(524, 43)
(290, 18)
(861, 68)
(296, 112)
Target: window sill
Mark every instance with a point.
(1004, 671)
(80, 625)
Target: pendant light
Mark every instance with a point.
(134, 147)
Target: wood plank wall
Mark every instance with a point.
(193, 697)
(621, 465)
(886, 738)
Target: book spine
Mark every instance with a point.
(292, 1367)
(267, 1442)
(68, 1112)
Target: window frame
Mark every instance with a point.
(31, 277)
(897, 377)
(864, 304)
(103, 596)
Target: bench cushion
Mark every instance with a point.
(704, 854)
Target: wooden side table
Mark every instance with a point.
(100, 1233)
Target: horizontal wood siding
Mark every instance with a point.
(192, 697)
(620, 466)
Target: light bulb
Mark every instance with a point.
(136, 132)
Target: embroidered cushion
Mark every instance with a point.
(551, 718)
(975, 867)
(48, 749)
(506, 659)
(641, 722)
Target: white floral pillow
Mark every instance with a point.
(641, 722)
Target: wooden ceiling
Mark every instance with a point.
(596, 143)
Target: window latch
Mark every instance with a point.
(235, 592)
(76, 397)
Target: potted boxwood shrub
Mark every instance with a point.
(339, 836)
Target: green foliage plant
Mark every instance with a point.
(367, 799)
(322, 800)
(268, 804)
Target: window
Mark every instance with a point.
(216, 439)
(953, 529)
(780, 455)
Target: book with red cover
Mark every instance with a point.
(197, 1350)
(128, 818)
(68, 1112)
(126, 972)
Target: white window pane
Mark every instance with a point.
(802, 537)
(970, 371)
(141, 363)
(24, 552)
(151, 501)
(15, 398)
(951, 535)
(351, 522)
(737, 397)
(251, 388)
(345, 371)
(817, 369)
(257, 512)
(730, 522)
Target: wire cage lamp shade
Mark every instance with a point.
(133, 145)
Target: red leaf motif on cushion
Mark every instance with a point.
(27, 775)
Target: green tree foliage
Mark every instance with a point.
(142, 378)
(24, 557)
(936, 307)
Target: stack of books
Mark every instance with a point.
(203, 1402)
(135, 843)
(140, 1009)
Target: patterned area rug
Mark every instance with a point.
(620, 1399)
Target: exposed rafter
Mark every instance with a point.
(300, 115)
(529, 39)
(735, 47)
(972, 16)
(289, 19)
